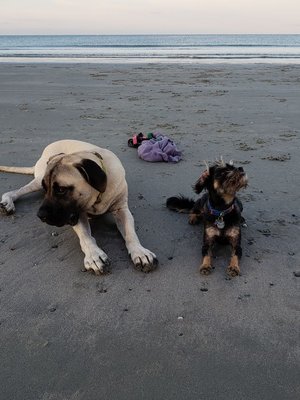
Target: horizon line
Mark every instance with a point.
(141, 34)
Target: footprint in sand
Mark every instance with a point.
(23, 107)
(278, 157)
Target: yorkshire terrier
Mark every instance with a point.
(220, 210)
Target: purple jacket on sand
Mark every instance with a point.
(161, 148)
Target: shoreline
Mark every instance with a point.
(99, 61)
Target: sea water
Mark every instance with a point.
(151, 48)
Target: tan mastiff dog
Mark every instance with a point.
(81, 180)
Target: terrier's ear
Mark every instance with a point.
(202, 182)
(93, 174)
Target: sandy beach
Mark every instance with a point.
(171, 334)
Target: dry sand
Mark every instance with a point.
(66, 334)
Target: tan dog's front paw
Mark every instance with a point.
(7, 205)
(96, 260)
(144, 260)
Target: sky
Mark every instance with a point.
(149, 16)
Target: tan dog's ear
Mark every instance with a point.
(93, 174)
(55, 155)
(202, 182)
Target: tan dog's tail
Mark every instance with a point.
(18, 170)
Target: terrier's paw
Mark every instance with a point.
(205, 269)
(233, 270)
(194, 219)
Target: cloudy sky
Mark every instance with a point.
(148, 16)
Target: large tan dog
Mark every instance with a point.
(81, 180)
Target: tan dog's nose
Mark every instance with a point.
(42, 214)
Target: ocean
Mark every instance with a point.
(151, 48)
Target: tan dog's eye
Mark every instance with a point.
(44, 185)
(60, 190)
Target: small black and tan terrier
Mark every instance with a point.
(220, 210)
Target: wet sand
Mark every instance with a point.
(171, 334)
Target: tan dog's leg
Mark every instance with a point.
(7, 201)
(143, 259)
(95, 259)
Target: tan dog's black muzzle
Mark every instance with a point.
(52, 214)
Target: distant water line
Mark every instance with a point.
(151, 48)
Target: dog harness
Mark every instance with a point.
(219, 222)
